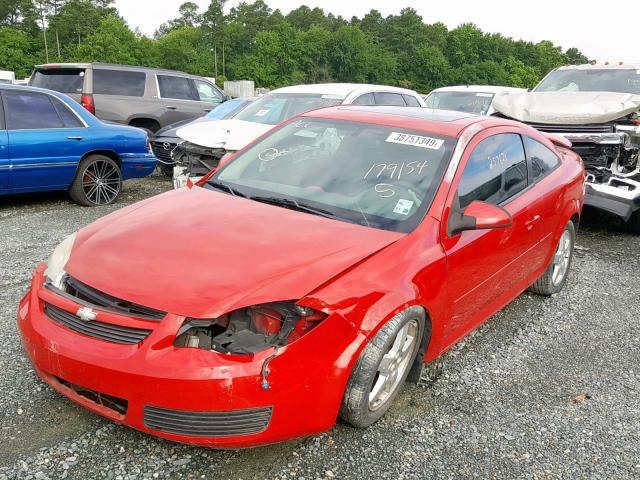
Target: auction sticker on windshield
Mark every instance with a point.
(403, 207)
(415, 140)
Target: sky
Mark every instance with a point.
(601, 33)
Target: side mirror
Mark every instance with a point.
(477, 216)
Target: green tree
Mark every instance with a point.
(112, 42)
(17, 52)
(185, 49)
(348, 54)
(575, 57)
(189, 17)
(519, 74)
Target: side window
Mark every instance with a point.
(179, 88)
(496, 170)
(385, 98)
(208, 93)
(69, 118)
(411, 101)
(30, 111)
(118, 82)
(366, 99)
(542, 159)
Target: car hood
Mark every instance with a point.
(201, 253)
(568, 108)
(228, 134)
(170, 130)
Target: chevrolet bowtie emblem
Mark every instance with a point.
(86, 314)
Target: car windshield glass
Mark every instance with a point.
(276, 107)
(374, 175)
(471, 102)
(602, 80)
(227, 109)
(65, 80)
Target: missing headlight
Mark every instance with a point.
(251, 329)
(197, 160)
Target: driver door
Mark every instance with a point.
(486, 268)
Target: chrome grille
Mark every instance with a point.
(161, 152)
(95, 329)
(208, 424)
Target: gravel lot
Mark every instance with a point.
(548, 388)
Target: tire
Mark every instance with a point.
(361, 405)
(98, 181)
(555, 276)
(633, 224)
(166, 170)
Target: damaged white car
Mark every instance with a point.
(596, 107)
(206, 143)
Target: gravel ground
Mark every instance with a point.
(548, 388)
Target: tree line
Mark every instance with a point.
(253, 41)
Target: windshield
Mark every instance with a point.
(227, 109)
(470, 102)
(579, 80)
(277, 107)
(373, 175)
(65, 80)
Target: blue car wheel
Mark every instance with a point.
(98, 181)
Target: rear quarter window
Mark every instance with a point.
(178, 88)
(119, 82)
(411, 101)
(541, 158)
(64, 80)
(385, 98)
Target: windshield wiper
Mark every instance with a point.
(227, 188)
(294, 205)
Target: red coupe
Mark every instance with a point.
(308, 277)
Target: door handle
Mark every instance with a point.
(172, 108)
(74, 138)
(530, 223)
(207, 110)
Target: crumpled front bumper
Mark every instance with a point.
(306, 378)
(620, 196)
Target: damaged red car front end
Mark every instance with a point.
(307, 278)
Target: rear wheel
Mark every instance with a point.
(382, 368)
(98, 181)
(633, 224)
(555, 276)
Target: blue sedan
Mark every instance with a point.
(49, 142)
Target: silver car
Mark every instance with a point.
(148, 98)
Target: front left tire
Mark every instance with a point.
(98, 181)
(382, 368)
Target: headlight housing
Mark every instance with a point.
(58, 259)
(251, 329)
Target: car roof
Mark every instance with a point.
(9, 86)
(109, 65)
(444, 122)
(601, 66)
(480, 89)
(340, 89)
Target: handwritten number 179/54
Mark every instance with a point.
(395, 169)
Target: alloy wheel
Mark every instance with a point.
(562, 258)
(101, 182)
(394, 365)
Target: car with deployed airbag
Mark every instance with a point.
(307, 277)
(597, 108)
